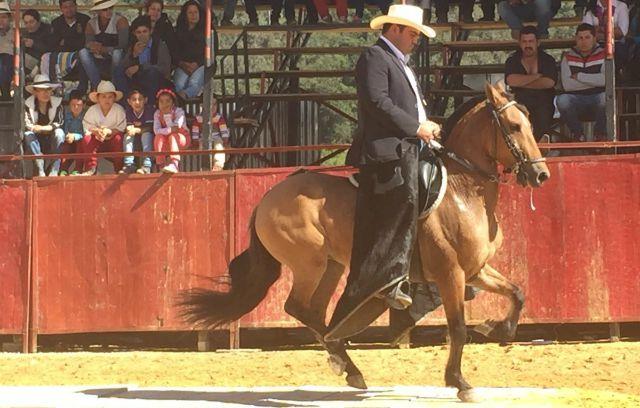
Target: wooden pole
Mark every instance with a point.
(610, 76)
(205, 138)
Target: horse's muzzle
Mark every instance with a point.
(533, 174)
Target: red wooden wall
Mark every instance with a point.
(111, 253)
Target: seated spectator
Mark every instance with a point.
(147, 63)
(289, 11)
(36, 38)
(188, 77)
(597, 16)
(43, 122)
(73, 130)
(230, 11)
(219, 134)
(515, 12)
(466, 11)
(139, 132)
(161, 27)
(170, 128)
(67, 40)
(6, 50)
(488, 10)
(107, 35)
(104, 123)
(532, 74)
(323, 11)
(582, 75)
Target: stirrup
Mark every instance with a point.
(397, 298)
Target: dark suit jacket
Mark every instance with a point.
(387, 107)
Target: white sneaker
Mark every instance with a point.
(170, 168)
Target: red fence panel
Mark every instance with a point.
(111, 253)
(15, 220)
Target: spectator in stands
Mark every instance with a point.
(67, 39)
(107, 35)
(188, 77)
(466, 11)
(597, 16)
(43, 122)
(147, 63)
(6, 50)
(161, 27)
(289, 11)
(139, 132)
(170, 128)
(219, 134)
(582, 75)
(73, 129)
(312, 12)
(532, 74)
(488, 10)
(230, 11)
(36, 38)
(323, 11)
(515, 12)
(104, 123)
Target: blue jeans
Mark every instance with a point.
(536, 10)
(6, 71)
(192, 84)
(112, 65)
(36, 143)
(145, 140)
(577, 108)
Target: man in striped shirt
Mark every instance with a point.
(582, 75)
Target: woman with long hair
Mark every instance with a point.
(188, 77)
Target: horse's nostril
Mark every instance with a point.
(542, 177)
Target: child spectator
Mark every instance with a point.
(43, 121)
(219, 134)
(36, 38)
(107, 35)
(73, 129)
(104, 124)
(6, 50)
(148, 62)
(139, 132)
(170, 128)
(189, 74)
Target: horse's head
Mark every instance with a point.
(514, 145)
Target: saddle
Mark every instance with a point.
(433, 182)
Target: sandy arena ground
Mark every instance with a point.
(594, 375)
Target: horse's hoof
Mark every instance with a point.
(469, 395)
(499, 331)
(337, 364)
(356, 381)
(484, 328)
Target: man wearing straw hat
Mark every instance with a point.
(6, 50)
(43, 121)
(392, 125)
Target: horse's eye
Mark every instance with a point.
(515, 127)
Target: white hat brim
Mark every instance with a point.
(31, 88)
(93, 96)
(104, 5)
(379, 21)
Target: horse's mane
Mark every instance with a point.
(458, 114)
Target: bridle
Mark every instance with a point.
(514, 148)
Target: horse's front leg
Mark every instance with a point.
(451, 285)
(492, 281)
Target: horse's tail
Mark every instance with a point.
(252, 274)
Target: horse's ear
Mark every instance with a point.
(493, 94)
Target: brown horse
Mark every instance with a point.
(306, 223)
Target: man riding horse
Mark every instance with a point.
(392, 128)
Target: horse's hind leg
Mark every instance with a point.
(310, 310)
(492, 281)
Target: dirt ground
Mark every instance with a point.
(601, 374)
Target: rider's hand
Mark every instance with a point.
(428, 130)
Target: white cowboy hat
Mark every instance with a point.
(4, 7)
(103, 4)
(104, 87)
(41, 81)
(406, 15)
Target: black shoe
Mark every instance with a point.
(397, 297)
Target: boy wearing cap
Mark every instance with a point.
(6, 50)
(43, 121)
(104, 124)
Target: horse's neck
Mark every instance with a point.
(471, 139)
